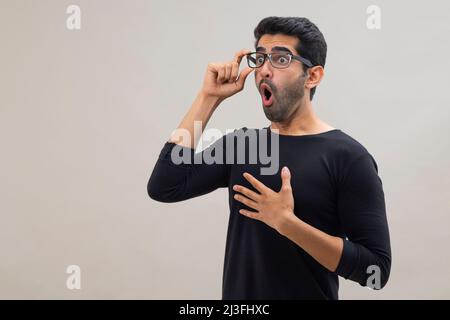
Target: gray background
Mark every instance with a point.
(84, 114)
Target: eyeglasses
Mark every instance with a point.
(279, 60)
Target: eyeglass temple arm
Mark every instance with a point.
(304, 60)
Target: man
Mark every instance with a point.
(289, 237)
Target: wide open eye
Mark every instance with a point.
(255, 59)
(281, 59)
(259, 60)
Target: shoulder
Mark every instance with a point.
(349, 155)
(345, 148)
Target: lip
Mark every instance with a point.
(266, 102)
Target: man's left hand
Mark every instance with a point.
(273, 208)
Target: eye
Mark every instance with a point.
(282, 60)
(260, 60)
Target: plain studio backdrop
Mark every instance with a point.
(84, 114)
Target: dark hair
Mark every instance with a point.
(311, 44)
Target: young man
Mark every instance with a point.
(338, 225)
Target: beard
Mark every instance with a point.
(286, 101)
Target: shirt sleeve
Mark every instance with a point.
(174, 180)
(362, 213)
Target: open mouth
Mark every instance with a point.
(266, 94)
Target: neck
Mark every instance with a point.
(303, 121)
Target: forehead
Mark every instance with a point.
(268, 41)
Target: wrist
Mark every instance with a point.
(209, 100)
(288, 224)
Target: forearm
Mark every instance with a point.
(324, 248)
(201, 110)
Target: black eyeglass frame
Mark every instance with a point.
(291, 56)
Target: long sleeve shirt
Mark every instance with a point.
(336, 188)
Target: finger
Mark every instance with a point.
(256, 183)
(234, 71)
(243, 75)
(249, 203)
(213, 68)
(240, 54)
(228, 69)
(246, 192)
(285, 179)
(250, 214)
(221, 74)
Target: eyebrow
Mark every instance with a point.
(274, 49)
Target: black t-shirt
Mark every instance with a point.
(336, 189)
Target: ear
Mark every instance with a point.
(315, 75)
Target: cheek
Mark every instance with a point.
(293, 79)
(258, 76)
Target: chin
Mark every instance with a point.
(273, 116)
(273, 113)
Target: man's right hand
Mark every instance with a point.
(221, 79)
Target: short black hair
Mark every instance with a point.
(311, 44)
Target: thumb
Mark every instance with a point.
(243, 75)
(285, 179)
